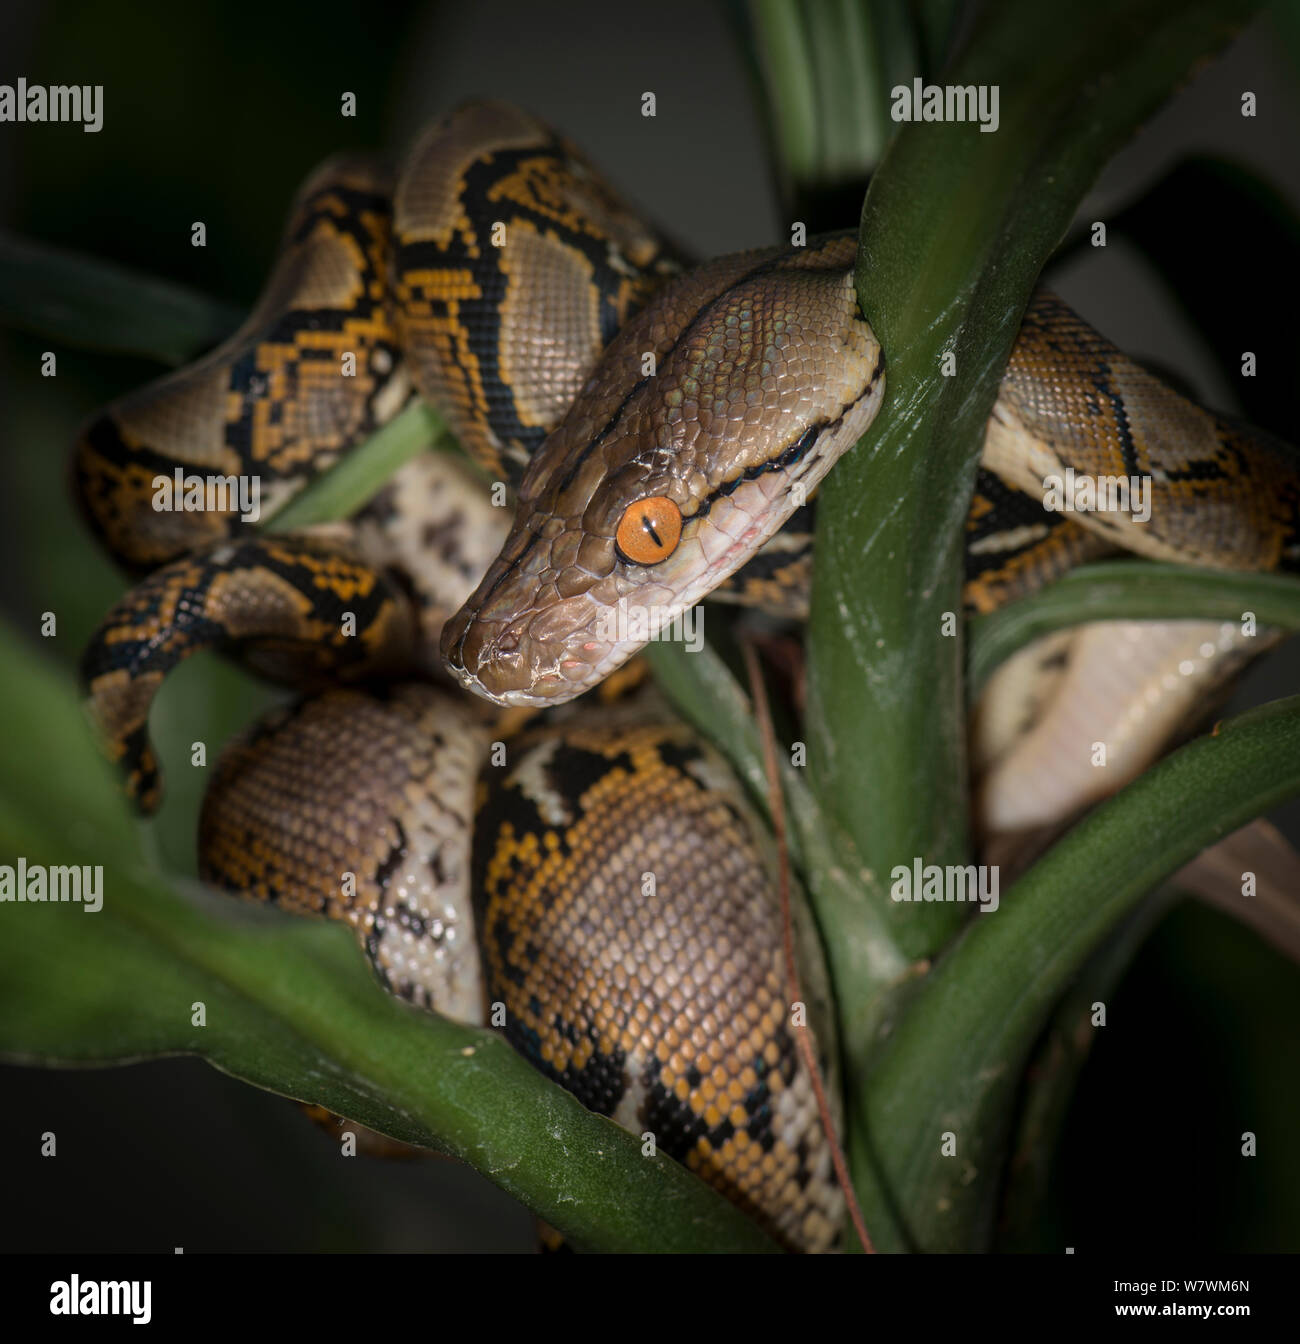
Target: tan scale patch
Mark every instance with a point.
(1071, 399)
(187, 413)
(330, 272)
(119, 705)
(545, 364)
(349, 783)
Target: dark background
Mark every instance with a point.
(215, 112)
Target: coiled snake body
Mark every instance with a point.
(598, 880)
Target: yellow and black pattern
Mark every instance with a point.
(1014, 545)
(631, 928)
(313, 371)
(515, 266)
(607, 888)
(1222, 495)
(293, 608)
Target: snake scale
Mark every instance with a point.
(592, 880)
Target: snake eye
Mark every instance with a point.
(649, 530)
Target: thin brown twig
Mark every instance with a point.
(803, 1037)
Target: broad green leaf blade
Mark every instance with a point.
(94, 304)
(1119, 590)
(290, 1006)
(955, 227)
(957, 1057)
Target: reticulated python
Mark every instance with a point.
(601, 878)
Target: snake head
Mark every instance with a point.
(711, 417)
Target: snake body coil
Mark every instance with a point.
(628, 931)
(663, 429)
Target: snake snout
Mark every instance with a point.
(486, 656)
(526, 654)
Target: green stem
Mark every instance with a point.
(71, 299)
(823, 73)
(358, 475)
(786, 70)
(956, 1058)
(1123, 590)
(955, 228)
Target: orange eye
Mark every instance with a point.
(649, 530)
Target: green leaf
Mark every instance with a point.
(823, 74)
(94, 304)
(784, 59)
(956, 1058)
(955, 228)
(290, 1006)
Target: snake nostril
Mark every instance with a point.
(508, 641)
